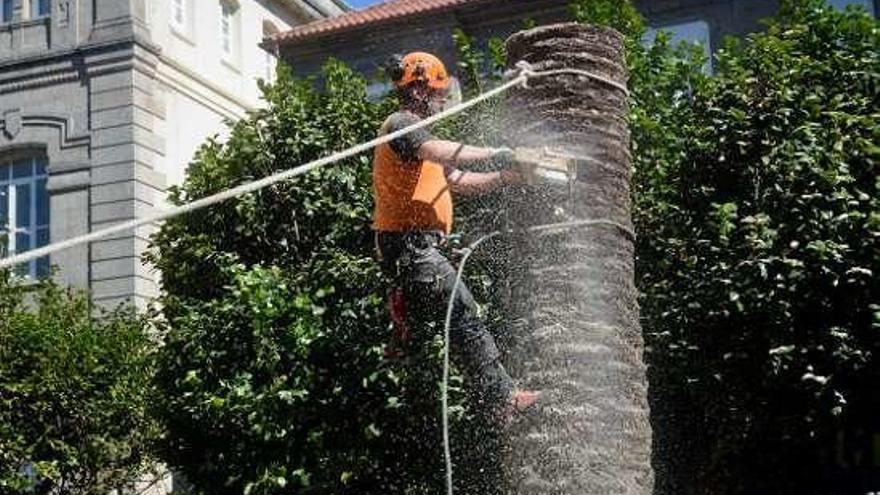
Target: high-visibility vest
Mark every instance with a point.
(409, 195)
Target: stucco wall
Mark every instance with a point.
(199, 87)
(197, 47)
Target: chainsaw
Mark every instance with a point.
(550, 168)
(546, 166)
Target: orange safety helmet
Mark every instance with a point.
(420, 66)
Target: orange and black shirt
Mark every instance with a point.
(411, 194)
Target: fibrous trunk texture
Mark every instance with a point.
(576, 336)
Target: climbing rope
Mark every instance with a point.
(524, 72)
(525, 69)
(467, 251)
(444, 389)
(257, 184)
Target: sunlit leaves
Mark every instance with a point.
(754, 206)
(74, 391)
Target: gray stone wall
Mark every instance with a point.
(125, 182)
(79, 87)
(45, 111)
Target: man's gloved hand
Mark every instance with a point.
(511, 176)
(503, 157)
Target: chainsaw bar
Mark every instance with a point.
(540, 165)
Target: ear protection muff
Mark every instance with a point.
(394, 67)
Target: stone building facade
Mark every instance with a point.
(102, 104)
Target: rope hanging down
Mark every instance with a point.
(525, 72)
(444, 388)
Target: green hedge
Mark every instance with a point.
(272, 378)
(758, 219)
(73, 393)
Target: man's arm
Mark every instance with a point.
(420, 145)
(470, 183)
(452, 153)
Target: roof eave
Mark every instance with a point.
(306, 9)
(281, 39)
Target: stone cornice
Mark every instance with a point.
(70, 65)
(49, 77)
(315, 9)
(101, 58)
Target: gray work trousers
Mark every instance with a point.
(413, 260)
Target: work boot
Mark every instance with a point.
(518, 403)
(521, 400)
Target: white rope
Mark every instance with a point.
(525, 72)
(525, 69)
(444, 392)
(255, 185)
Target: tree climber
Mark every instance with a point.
(413, 177)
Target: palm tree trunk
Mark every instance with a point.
(574, 298)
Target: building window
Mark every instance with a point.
(40, 8)
(842, 4)
(694, 32)
(181, 18)
(6, 11)
(228, 29)
(271, 64)
(24, 212)
(178, 14)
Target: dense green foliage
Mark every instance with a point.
(272, 377)
(758, 219)
(73, 393)
(756, 204)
